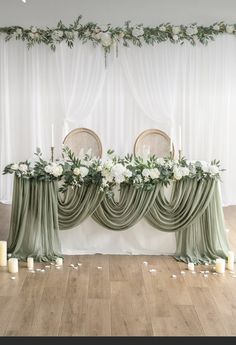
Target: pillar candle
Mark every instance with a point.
(3, 253)
(59, 261)
(30, 263)
(13, 265)
(220, 265)
(191, 266)
(230, 263)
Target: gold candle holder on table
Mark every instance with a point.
(52, 153)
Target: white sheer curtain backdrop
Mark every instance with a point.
(149, 87)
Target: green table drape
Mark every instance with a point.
(205, 239)
(75, 205)
(194, 212)
(34, 222)
(133, 205)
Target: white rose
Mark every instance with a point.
(161, 161)
(87, 33)
(175, 37)
(103, 27)
(18, 31)
(119, 179)
(14, 166)
(230, 29)
(216, 27)
(195, 30)
(118, 169)
(176, 30)
(97, 29)
(127, 173)
(98, 35)
(106, 39)
(32, 35)
(76, 171)
(146, 172)
(154, 173)
(34, 29)
(185, 171)
(190, 31)
(138, 31)
(84, 171)
(99, 168)
(162, 28)
(57, 171)
(23, 167)
(48, 169)
(104, 182)
(213, 169)
(177, 173)
(70, 35)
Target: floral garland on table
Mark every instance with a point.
(114, 170)
(108, 36)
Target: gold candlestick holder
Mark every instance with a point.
(52, 153)
(180, 154)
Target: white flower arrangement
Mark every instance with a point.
(114, 170)
(106, 35)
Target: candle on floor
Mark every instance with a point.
(30, 263)
(13, 265)
(230, 263)
(59, 261)
(191, 266)
(3, 253)
(220, 265)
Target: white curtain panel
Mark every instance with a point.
(150, 87)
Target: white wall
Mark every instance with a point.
(116, 12)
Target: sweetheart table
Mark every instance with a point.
(191, 219)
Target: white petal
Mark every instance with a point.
(173, 276)
(42, 270)
(145, 263)
(99, 267)
(13, 278)
(182, 272)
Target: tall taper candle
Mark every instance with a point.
(171, 142)
(3, 253)
(52, 128)
(180, 139)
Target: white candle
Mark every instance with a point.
(13, 265)
(230, 263)
(59, 261)
(191, 266)
(52, 144)
(171, 141)
(30, 263)
(220, 265)
(3, 253)
(180, 138)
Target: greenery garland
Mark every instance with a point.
(142, 173)
(108, 36)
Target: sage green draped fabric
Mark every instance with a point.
(34, 222)
(75, 205)
(194, 213)
(205, 239)
(133, 205)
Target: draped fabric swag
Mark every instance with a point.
(194, 212)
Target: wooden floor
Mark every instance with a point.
(122, 297)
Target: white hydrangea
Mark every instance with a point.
(176, 30)
(106, 39)
(154, 173)
(23, 168)
(15, 166)
(138, 31)
(178, 174)
(185, 171)
(229, 29)
(84, 171)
